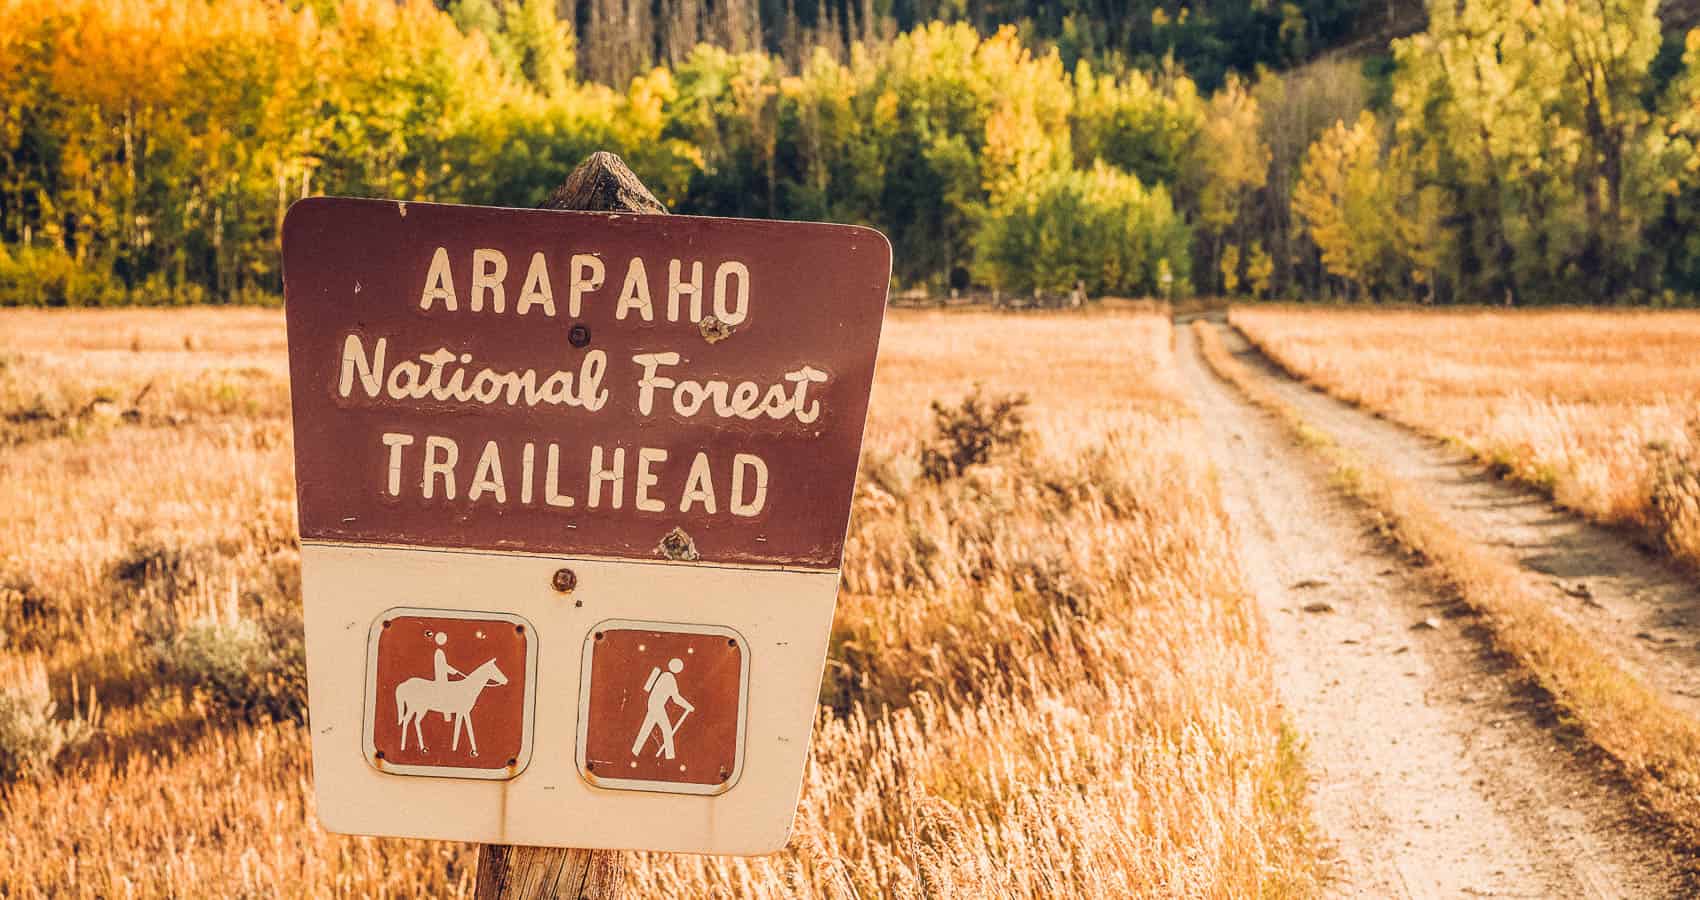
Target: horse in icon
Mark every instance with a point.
(416, 698)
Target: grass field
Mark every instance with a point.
(1596, 408)
(1046, 678)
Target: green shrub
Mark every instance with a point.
(49, 276)
(1101, 228)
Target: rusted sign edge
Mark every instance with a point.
(570, 557)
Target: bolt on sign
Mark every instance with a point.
(573, 490)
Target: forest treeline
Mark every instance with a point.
(623, 38)
(1514, 152)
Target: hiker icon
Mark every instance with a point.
(663, 687)
(415, 698)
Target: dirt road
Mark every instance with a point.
(1433, 775)
(1642, 608)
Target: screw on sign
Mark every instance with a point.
(450, 694)
(663, 707)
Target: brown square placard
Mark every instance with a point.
(662, 707)
(450, 693)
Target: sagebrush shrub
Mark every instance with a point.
(32, 735)
(967, 434)
(29, 617)
(171, 570)
(254, 670)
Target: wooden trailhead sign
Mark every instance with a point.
(573, 490)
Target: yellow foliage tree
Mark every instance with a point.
(1230, 266)
(1027, 126)
(1259, 270)
(1339, 186)
(1230, 159)
(1228, 164)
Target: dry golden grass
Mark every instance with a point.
(1046, 679)
(1656, 745)
(1599, 409)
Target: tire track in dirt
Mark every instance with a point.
(1645, 610)
(1431, 775)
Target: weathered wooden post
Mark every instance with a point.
(509, 872)
(602, 183)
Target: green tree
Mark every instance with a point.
(1100, 228)
(1529, 117)
(1142, 123)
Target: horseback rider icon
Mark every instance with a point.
(444, 693)
(663, 687)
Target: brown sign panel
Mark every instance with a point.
(450, 693)
(662, 707)
(580, 383)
